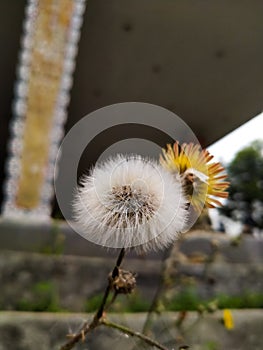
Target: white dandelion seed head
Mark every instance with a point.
(129, 201)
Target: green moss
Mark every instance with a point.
(248, 300)
(124, 303)
(43, 297)
(187, 300)
(210, 345)
(93, 303)
(135, 303)
(190, 300)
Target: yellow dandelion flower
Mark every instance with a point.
(228, 319)
(202, 180)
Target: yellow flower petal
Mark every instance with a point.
(228, 319)
(204, 180)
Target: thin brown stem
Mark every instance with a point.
(115, 273)
(131, 332)
(119, 261)
(75, 338)
(99, 320)
(99, 313)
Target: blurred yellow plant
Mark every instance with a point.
(228, 319)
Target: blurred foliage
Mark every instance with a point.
(190, 300)
(247, 300)
(124, 303)
(93, 303)
(186, 300)
(211, 345)
(245, 172)
(42, 297)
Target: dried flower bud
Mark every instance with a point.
(124, 282)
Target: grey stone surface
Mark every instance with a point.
(46, 264)
(222, 278)
(57, 237)
(248, 249)
(54, 236)
(43, 331)
(66, 282)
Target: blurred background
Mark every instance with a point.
(201, 60)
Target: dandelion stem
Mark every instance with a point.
(133, 333)
(115, 273)
(102, 306)
(75, 338)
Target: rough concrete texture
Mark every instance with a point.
(31, 331)
(67, 280)
(49, 282)
(222, 278)
(57, 267)
(57, 237)
(207, 262)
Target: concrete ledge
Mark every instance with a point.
(57, 237)
(54, 237)
(67, 281)
(46, 331)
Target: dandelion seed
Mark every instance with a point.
(203, 181)
(130, 201)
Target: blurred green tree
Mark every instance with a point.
(245, 200)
